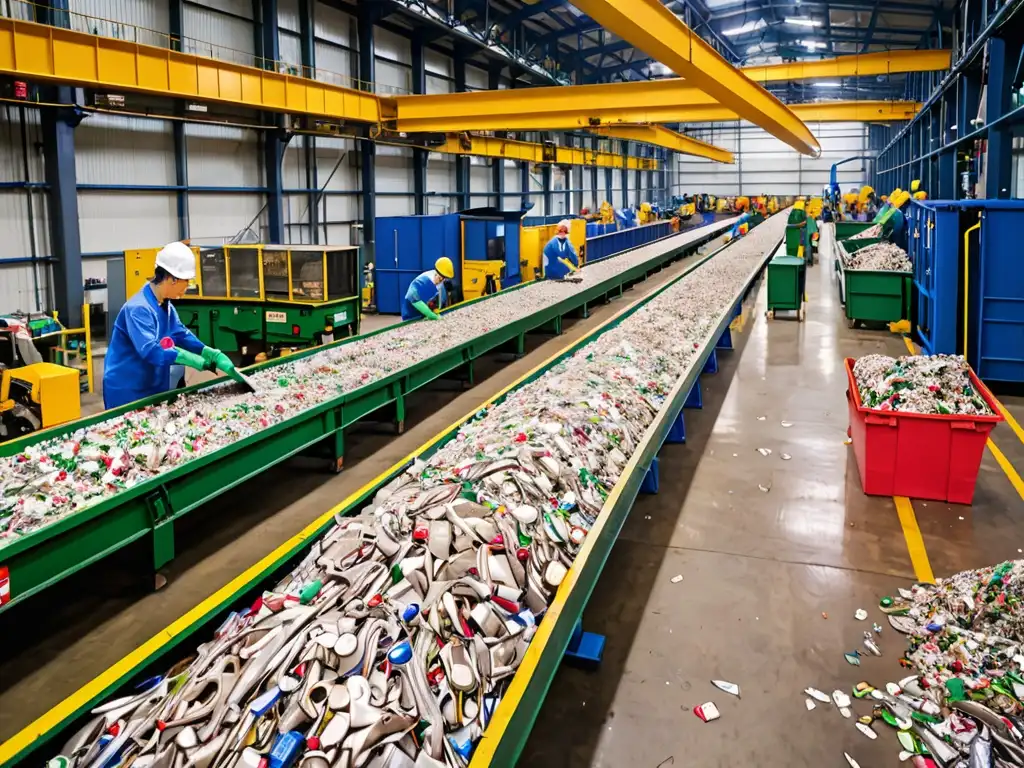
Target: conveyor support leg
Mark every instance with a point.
(339, 449)
(694, 399)
(724, 341)
(585, 648)
(650, 482)
(711, 365)
(677, 432)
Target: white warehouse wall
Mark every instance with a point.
(764, 164)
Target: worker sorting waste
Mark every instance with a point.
(427, 293)
(740, 228)
(560, 258)
(148, 338)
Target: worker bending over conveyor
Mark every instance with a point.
(426, 293)
(740, 228)
(559, 256)
(148, 337)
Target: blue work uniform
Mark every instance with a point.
(558, 249)
(744, 219)
(424, 289)
(136, 366)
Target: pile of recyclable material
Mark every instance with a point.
(885, 257)
(918, 384)
(54, 478)
(394, 640)
(963, 703)
(875, 230)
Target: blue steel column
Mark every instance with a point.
(273, 140)
(461, 161)
(609, 182)
(524, 183)
(999, 160)
(625, 174)
(545, 175)
(58, 125)
(498, 163)
(368, 154)
(593, 177)
(307, 43)
(178, 131)
(419, 156)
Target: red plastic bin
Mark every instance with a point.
(923, 456)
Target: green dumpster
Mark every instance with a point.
(872, 295)
(795, 237)
(786, 282)
(847, 229)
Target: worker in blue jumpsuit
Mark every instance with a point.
(559, 255)
(148, 337)
(426, 293)
(741, 227)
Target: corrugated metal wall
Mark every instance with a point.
(766, 165)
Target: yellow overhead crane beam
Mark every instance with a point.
(41, 52)
(813, 112)
(664, 137)
(668, 100)
(654, 29)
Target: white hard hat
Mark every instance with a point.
(178, 260)
(564, 223)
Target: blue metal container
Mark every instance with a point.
(602, 246)
(407, 246)
(970, 301)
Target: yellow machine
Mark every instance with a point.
(533, 239)
(814, 206)
(850, 201)
(37, 396)
(480, 278)
(607, 213)
(772, 206)
(865, 195)
(742, 204)
(646, 214)
(721, 205)
(686, 210)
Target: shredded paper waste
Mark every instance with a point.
(57, 477)
(918, 384)
(393, 641)
(885, 257)
(962, 706)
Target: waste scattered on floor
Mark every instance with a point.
(393, 641)
(918, 384)
(880, 256)
(54, 478)
(963, 703)
(875, 230)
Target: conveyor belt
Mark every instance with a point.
(511, 723)
(150, 508)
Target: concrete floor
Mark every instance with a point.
(758, 569)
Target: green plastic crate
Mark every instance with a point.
(795, 237)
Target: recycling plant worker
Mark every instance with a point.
(741, 227)
(559, 256)
(428, 289)
(148, 337)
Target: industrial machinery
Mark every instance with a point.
(252, 299)
(37, 396)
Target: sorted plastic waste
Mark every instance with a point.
(867, 730)
(852, 658)
(881, 257)
(814, 693)
(860, 614)
(918, 384)
(852, 763)
(809, 703)
(873, 231)
(394, 640)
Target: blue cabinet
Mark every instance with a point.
(407, 246)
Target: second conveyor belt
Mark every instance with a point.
(137, 503)
(509, 724)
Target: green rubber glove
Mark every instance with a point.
(190, 359)
(217, 360)
(426, 311)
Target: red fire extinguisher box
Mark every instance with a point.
(923, 456)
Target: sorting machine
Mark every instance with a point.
(508, 730)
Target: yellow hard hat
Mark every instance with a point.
(444, 267)
(921, 195)
(915, 185)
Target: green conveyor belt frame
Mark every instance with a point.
(150, 509)
(506, 736)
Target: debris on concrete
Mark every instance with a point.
(707, 712)
(860, 614)
(724, 685)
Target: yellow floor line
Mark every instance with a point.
(915, 543)
(1007, 467)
